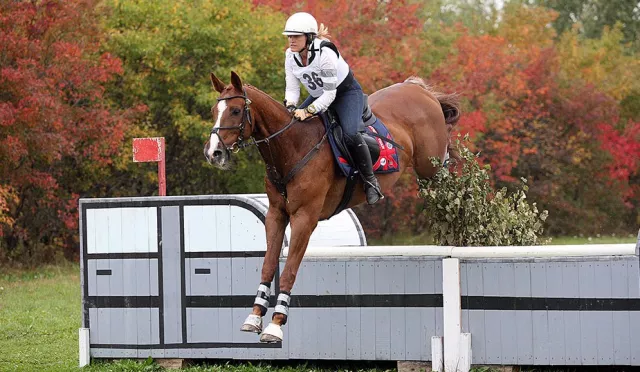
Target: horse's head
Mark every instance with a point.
(232, 121)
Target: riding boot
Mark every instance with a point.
(362, 158)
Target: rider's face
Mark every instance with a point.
(297, 42)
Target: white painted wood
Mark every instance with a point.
(437, 354)
(475, 252)
(83, 341)
(247, 231)
(452, 311)
(544, 251)
(207, 228)
(122, 230)
(378, 251)
(464, 364)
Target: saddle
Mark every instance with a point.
(382, 148)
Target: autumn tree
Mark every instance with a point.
(168, 49)
(532, 116)
(57, 130)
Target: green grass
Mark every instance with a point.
(39, 319)
(425, 239)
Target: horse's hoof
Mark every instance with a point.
(253, 323)
(273, 333)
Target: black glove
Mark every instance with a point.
(290, 108)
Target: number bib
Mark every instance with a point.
(310, 78)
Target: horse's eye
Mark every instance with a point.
(235, 111)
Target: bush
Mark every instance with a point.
(465, 210)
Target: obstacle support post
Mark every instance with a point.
(457, 346)
(83, 340)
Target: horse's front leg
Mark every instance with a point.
(303, 222)
(275, 225)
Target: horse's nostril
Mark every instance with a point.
(217, 153)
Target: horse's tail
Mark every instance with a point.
(450, 104)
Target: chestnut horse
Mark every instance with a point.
(418, 118)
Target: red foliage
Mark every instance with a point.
(52, 109)
(624, 149)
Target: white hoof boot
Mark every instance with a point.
(273, 333)
(253, 323)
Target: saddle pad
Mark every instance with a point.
(387, 162)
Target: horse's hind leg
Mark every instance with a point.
(275, 224)
(303, 222)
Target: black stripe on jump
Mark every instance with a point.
(114, 256)
(549, 303)
(103, 272)
(390, 300)
(203, 271)
(195, 345)
(122, 301)
(243, 254)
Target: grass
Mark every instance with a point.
(425, 239)
(39, 319)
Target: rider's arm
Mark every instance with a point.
(292, 85)
(329, 76)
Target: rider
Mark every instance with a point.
(316, 62)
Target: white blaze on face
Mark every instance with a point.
(213, 141)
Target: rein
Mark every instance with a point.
(274, 176)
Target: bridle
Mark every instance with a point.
(276, 179)
(246, 118)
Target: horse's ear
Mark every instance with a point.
(217, 84)
(236, 81)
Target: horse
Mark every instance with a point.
(419, 119)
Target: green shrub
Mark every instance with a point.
(465, 210)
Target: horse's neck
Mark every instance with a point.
(288, 147)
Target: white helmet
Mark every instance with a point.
(301, 23)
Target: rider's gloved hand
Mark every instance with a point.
(301, 114)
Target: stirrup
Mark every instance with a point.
(368, 186)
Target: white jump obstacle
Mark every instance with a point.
(175, 277)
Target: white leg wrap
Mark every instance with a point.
(282, 305)
(273, 333)
(262, 297)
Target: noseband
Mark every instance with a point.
(246, 118)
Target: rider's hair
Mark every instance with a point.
(323, 32)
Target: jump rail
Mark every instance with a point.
(475, 252)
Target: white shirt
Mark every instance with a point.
(321, 77)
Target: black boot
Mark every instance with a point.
(362, 158)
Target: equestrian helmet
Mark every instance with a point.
(300, 24)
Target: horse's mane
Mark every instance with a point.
(251, 87)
